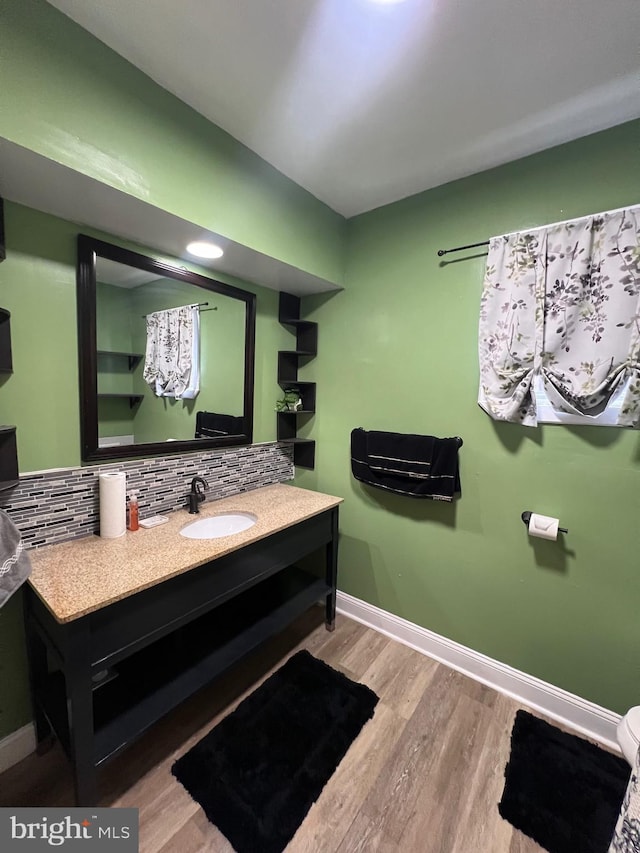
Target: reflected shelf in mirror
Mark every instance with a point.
(133, 358)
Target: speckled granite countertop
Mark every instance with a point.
(78, 577)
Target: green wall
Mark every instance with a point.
(37, 285)
(71, 99)
(113, 334)
(114, 320)
(398, 351)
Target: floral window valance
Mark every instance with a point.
(562, 304)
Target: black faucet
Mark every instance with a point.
(196, 495)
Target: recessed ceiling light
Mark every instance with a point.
(202, 249)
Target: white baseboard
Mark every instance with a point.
(584, 717)
(17, 746)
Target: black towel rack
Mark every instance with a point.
(459, 441)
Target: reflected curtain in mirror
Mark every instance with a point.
(172, 355)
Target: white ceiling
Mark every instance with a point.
(365, 102)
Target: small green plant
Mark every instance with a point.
(290, 402)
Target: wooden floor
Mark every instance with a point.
(424, 775)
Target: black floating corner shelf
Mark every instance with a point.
(304, 449)
(6, 359)
(8, 458)
(304, 452)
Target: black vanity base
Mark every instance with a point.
(100, 681)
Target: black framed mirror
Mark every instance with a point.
(122, 413)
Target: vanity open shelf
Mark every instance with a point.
(166, 642)
(151, 682)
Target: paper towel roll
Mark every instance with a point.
(543, 526)
(113, 505)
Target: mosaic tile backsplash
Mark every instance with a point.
(55, 506)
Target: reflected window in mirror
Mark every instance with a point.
(166, 356)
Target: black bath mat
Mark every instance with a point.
(561, 790)
(257, 773)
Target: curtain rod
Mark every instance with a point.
(193, 305)
(442, 252)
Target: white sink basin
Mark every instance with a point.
(217, 526)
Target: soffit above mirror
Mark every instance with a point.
(35, 181)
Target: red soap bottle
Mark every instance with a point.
(132, 523)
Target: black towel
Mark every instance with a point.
(420, 466)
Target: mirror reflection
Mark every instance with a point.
(171, 360)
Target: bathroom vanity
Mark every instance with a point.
(121, 631)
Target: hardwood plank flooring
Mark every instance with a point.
(424, 775)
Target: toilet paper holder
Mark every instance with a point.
(526, 517)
